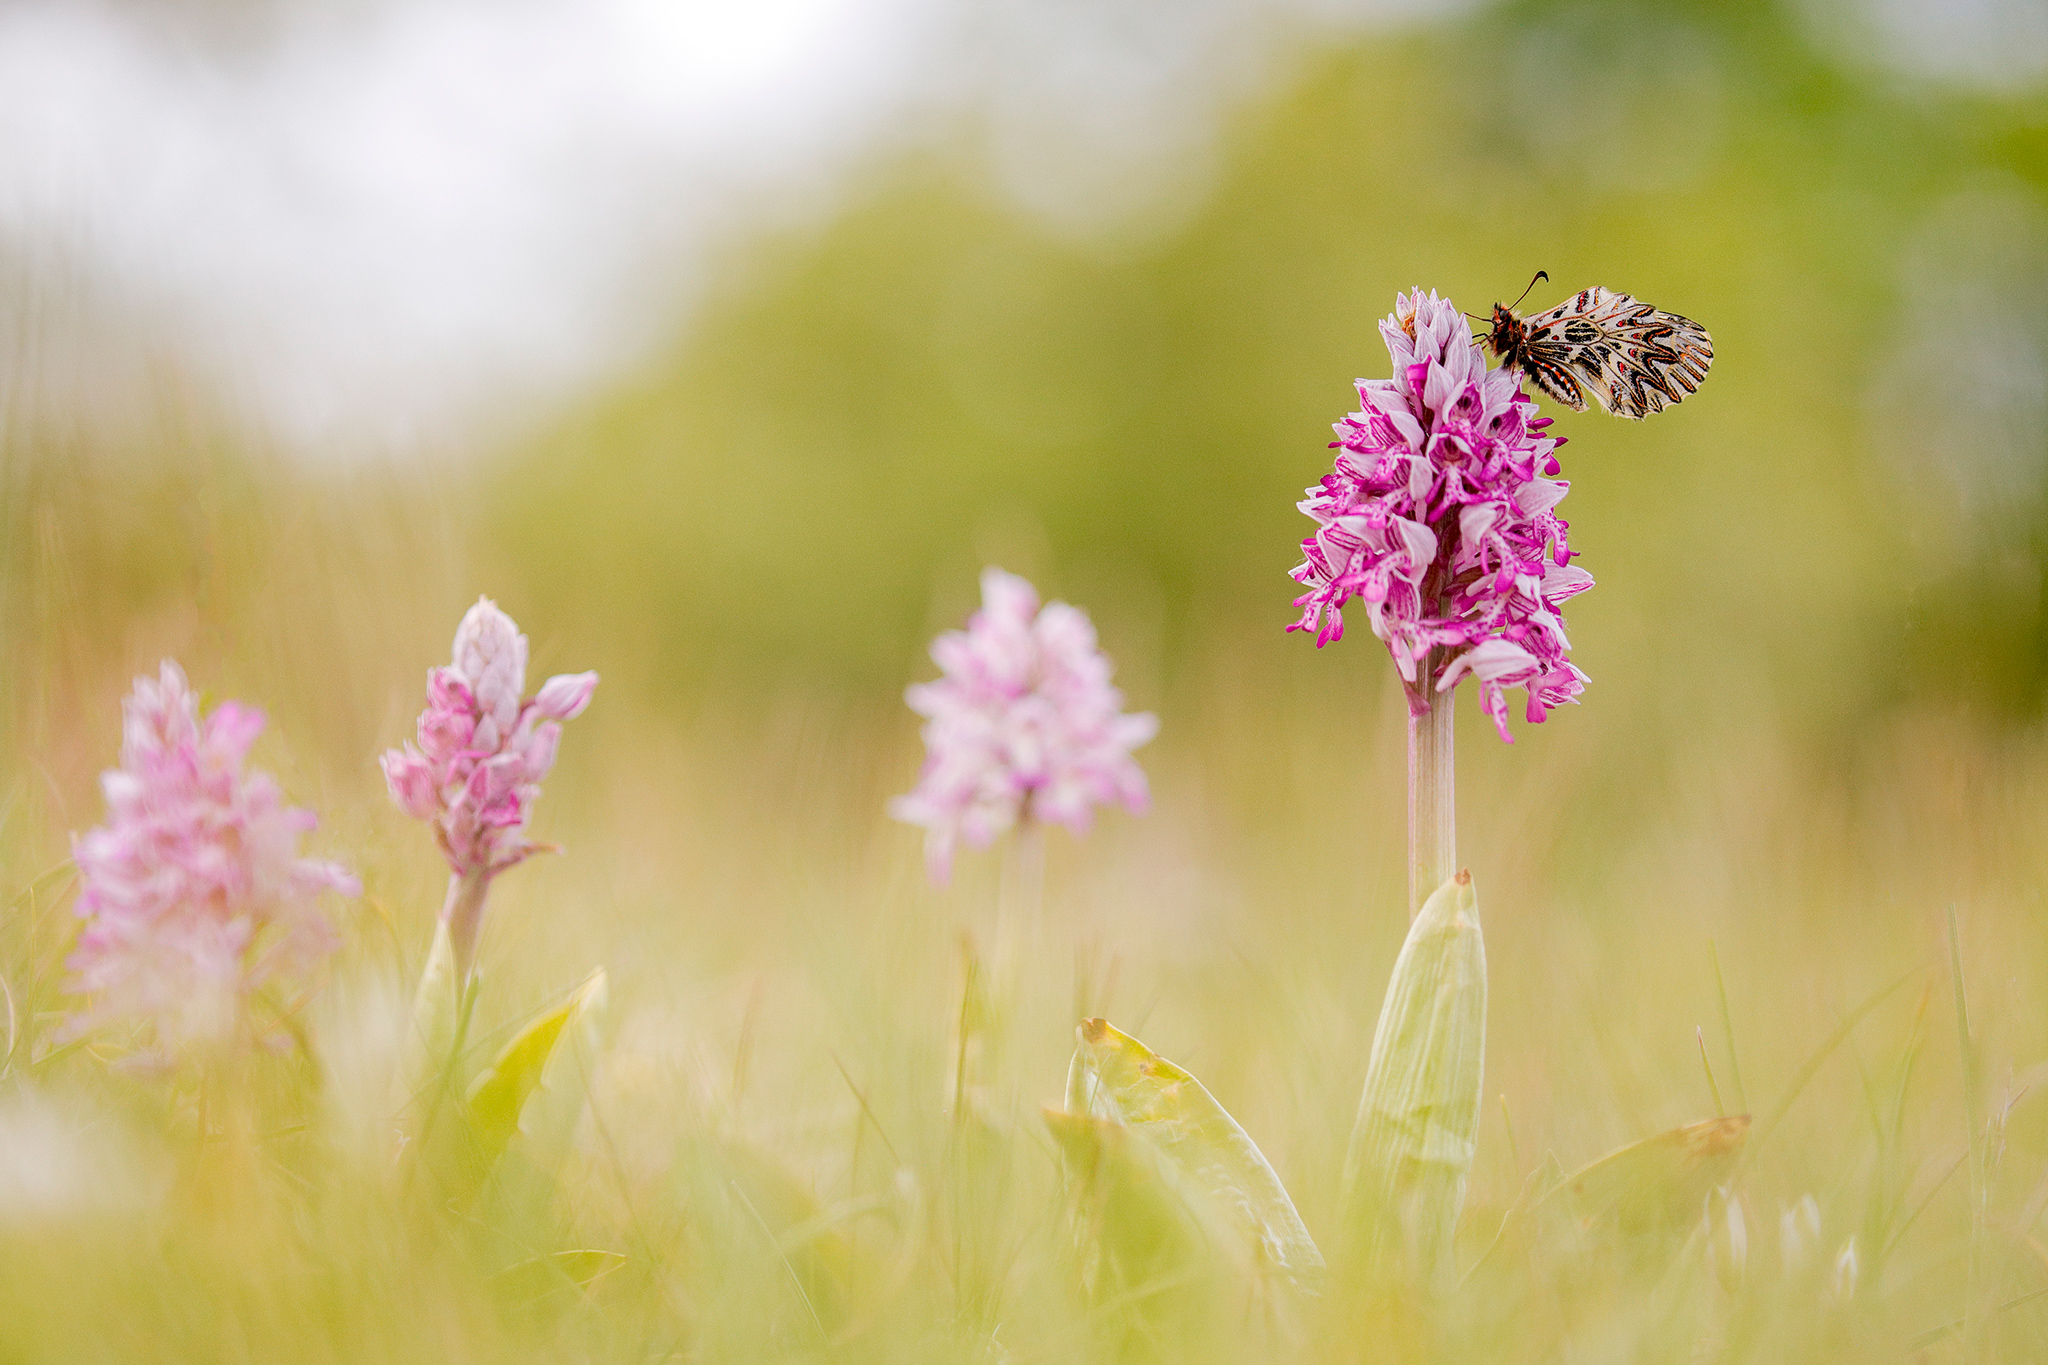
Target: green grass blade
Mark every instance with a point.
(1811, 1066)
(1728, 1030)
(557, 1272)
(1973, 1129)
(1418, 1120)
(770, 1263)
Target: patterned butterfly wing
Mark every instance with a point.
(1635, 359)
(1554, 377)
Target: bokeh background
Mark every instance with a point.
(724, 347)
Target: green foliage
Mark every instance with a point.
(1179, 1221)
(1658, 1185)
(535, 1088)
(501, 1089)
(1117, 1078)
(766, 1262)
(491, 1142)
(1418, 1120)
(432, 1048)
(523, 1107)
(1158, 1258)
(557, 1272)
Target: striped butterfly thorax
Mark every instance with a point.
(1635, 359)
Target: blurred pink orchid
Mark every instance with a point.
(194, 896)
(1023, 725)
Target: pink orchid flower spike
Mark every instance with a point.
(196, 901)
(480, 752)
(1439, 519)
(1022, 724)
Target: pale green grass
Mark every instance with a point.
(772, 1155)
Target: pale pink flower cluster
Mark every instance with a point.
(483, 747)
(1439, 517)
(193, 891)
(1023, 724)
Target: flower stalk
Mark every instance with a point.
(1432, 795)
(463, 913)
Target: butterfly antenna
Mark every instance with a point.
(1540, 275)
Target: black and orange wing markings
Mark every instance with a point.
(1636, 359)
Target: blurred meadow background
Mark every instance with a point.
(725, 349)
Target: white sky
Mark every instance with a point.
(368, 222)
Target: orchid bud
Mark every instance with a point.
(564, 696)
(495, 778)
(411, 779)
(1727, 1237)
(538, 756)
(443, 733)
(490, 654)
(1799, 1233)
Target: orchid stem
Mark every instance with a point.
(463, 912)
(1020, 905)
(1432, 791)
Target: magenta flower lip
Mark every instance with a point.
(193, 892)
(1022, 724)
(1438, 516)
(481, 749)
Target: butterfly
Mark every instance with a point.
(1635, 359)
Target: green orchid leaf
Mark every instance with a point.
(428, 1056)
(533, 1092)
(1116, 1078)
(1418, 1119)
(1157, 1254)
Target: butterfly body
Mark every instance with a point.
(1635, 359)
